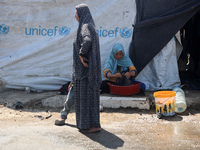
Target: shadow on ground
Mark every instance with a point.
(107, 139)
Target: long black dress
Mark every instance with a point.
(86, 81)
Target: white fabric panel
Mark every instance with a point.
(162, 72)
(36, 38)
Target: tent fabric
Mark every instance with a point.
(36, 38)
(161, 72)
(156, 23)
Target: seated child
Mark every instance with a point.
(116, 66)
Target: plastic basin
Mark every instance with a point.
(132, 89)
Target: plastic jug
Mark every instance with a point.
(180, 102)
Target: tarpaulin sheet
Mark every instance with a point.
(36, 38)
(161, 73)
(157, 22)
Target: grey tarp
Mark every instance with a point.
(156, 23)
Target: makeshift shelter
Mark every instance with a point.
(36, 38)
(157, 22)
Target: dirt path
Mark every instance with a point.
(123, 128)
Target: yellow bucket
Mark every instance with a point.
(165, 102)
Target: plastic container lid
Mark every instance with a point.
(162, 94)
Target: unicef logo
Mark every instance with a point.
(125, 32)
(40, 31)
(4, 29)
(64, 31)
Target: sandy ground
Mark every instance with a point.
(125, 128)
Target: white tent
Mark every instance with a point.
(162, 71)
(36, 38)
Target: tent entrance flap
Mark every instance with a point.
(156, 23)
